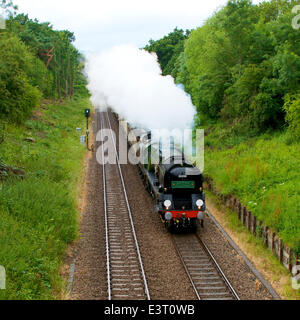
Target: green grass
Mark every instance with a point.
(38, 215)
(262, 171)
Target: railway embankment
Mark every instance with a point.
(42, 162)
(254, 180)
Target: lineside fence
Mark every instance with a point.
(284, 253)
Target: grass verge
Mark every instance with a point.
(38, 214)
(262, 172)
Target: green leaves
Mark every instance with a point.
(168, 49)
(242, 62)
(292, 109)
(18, 96)
(35, 61)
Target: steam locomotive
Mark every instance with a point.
(172, 180)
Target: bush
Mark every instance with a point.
(18, 93)
(292, 108)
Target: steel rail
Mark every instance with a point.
(187, 271)
(105, 213)
(219, 268)
(129, 212)
(206, 276)
(252, 268)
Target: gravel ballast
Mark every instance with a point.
(165, 273)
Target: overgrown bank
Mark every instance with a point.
(262, 172)
(38, 212)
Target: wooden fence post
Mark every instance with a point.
(265, 235)
(244, 215)
(253, 225)
(286, 257)
(248, 222)
(271, 236)
(278, 248)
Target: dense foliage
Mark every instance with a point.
(18, 93)
(168, 49)
(292, 108)
(35, 61)
(241, 65)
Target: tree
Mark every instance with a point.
(242, 63)
(35, 61)
(18, 96)
(54, 48)
(168, 49)
(8, 7)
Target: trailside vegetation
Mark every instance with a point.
(36, 62)
(241, 66)
(168, 49)
(38, 203)
(42, 98)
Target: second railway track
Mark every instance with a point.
(206, 276)
(126, 278)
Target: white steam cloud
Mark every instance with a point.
(130, 81)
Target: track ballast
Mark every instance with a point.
(206, 277)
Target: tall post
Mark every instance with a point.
(87, 113)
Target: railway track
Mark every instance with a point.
(125, 272)
(126, 278)
(206, 276)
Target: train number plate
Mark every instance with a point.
(183, 184)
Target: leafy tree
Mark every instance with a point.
(18, 96)
(242, 63)
(8, 7)
(292, 108)
(168, 49)
(35, 61)
(54, 48)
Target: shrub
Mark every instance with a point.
(292, 108)
(18, 93)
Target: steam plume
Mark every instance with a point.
(130, 81)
